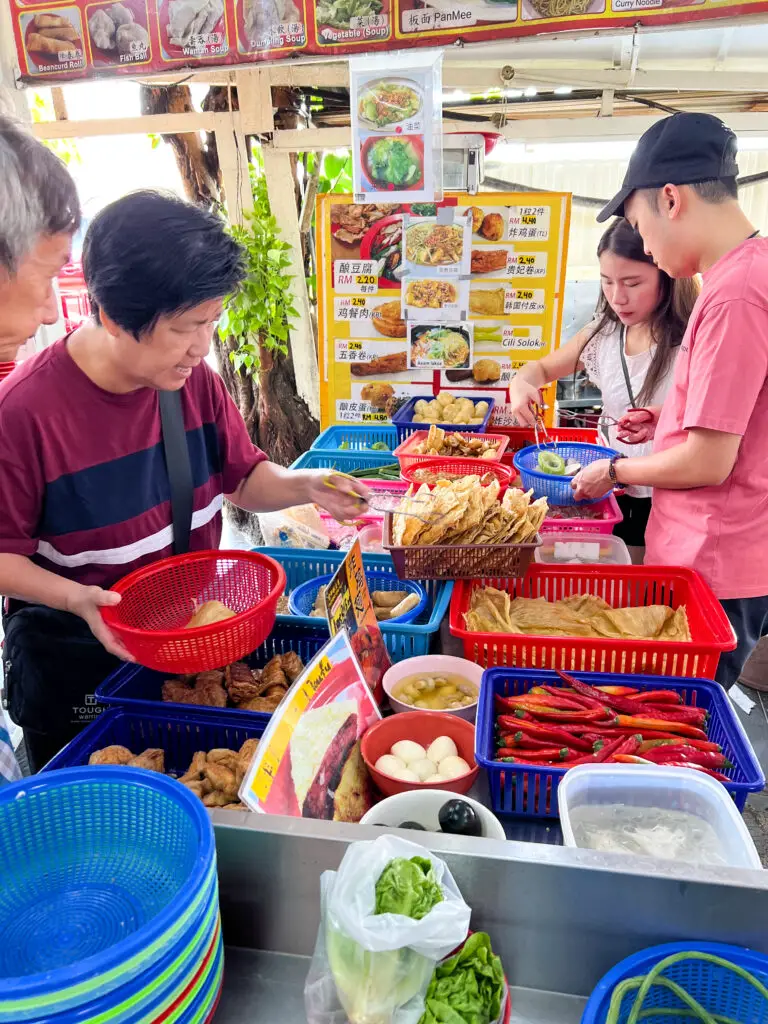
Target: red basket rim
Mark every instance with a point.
(146, 571)
(503, 474)
(700, 591)
(421, 435)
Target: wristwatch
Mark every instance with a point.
(612, 469)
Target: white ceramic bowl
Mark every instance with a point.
(429, 664)
(423, 807)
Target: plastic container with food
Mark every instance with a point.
(582, 549)
(424, 807)
(435, 682)
(657, 811)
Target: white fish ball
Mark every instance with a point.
(441, 748)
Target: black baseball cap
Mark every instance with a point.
(679, 150)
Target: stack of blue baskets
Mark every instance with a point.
(109, 900)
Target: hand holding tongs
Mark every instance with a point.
(368, 504)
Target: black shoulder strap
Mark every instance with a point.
(622, 342)
(179, 468)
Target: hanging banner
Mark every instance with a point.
(395, 103)
(80, 39)
(414, 333)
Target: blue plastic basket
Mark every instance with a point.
(403, 641)
(126, 862)
(529, 791)
(717, 989)
(557, 489)
(344, 462)
(357, 438)
(404, 424)
(137, 686)
(302, 599)
(179, 734)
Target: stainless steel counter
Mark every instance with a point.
(558, 917)
(267, 988)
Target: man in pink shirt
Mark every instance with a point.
(709, 468)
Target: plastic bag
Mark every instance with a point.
(375, 969)
(298, 527)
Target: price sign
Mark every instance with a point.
(355, 277)
(525, 338)
(351, 308)
(527, 264)
(529, 222)
(524, 300)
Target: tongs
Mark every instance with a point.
(539, 427)
(328, 482)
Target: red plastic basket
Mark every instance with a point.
(465, 467)
(621, 587)
(159, 599)
(607, 515)
(407, 458)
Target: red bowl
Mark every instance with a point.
(422, 727)
(159, 599)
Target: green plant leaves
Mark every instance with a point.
(261, 312)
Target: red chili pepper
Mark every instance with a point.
(656, 697)
(570, 717)
(536, 758)
(639, 724)
(705, 758)
(697, 768)
(630, 745)
(618, 691)
(698, 744)
(693, 716)
(520, 740)
(575, 700)
(542, 732)
(601, 755)
(547, 704)
(630, 759)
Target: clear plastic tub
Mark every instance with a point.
(590, 793)
(582, 549)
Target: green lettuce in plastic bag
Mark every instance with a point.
(371, 984)
(468, 988)
(407, 887)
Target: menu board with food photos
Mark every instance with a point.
(420, 298)
(76, 39)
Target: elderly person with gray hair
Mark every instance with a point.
(39, 213)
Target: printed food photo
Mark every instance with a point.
(393, 163)
(53, 37)
(388, 102)
(440, 346)
(118, 32)
(434, 245)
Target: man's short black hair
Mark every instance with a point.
(151, 254)
(716, 190)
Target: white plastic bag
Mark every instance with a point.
(298, 527)
(375, 969)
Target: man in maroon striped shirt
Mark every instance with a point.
(85, 487)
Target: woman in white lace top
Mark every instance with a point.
(628, 350)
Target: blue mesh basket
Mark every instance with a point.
(302, 599)
(717, 989)
(104, 869)
(557, 489)
(357, 438)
